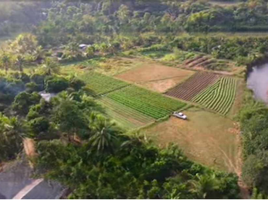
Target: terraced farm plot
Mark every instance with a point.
(220, 96)
(149, 103)
(125, 116)
(191, 87)
(155, 77)
(102, 84)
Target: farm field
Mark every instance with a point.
(101, 84)
(191, 87)
(123, 115)
(218, 97)
(207, 138)
(144, 101)
(155, 76)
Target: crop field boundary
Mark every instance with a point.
(155, 80)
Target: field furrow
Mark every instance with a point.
(218, 97)
(191, 87)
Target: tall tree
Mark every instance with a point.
(105, 134)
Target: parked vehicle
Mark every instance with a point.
(180, 115)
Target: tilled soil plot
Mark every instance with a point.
(191, 87)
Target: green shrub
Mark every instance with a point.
(38, 79)
(33, 87)
(38, 125)
(77, 84)
(56, 84)
(24, 101)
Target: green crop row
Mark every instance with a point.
(218, 97)
(149, 103)
(125, 115)
(101, 84)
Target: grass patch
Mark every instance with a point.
(207, 138)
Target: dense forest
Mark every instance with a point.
(76, 144)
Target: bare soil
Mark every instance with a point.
(155, 76)
(29, 147)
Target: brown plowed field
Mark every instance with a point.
(156, 77)
(191, 87)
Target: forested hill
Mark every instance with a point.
(139, 15)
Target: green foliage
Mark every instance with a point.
(135, 170)
(56, 84)
(38, 125)
(244, 50)
(104, 134)
(76, 83)
(70, 118)
(149, 103)
(32, 87)
(253, 118)
(24, 101)
(38, 79)
(10, 137)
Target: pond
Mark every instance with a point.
(258, 82)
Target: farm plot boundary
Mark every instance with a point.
(192, 86)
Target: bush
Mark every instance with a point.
(25, 78)
(56, 84)
(32, 87)
(38, 125)
(77, 84)
(24, 101)
(38, 79)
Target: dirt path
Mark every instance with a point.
(244, 190)
(243, 187)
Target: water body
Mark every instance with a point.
(258, 82)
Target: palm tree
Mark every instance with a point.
(11, 132)
(105, 134)
(5, 61)
(204, 185)
(51, 66)
(20, 60)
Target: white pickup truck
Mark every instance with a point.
(180, 115)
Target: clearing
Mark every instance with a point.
(207, 138)
(155, 76)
